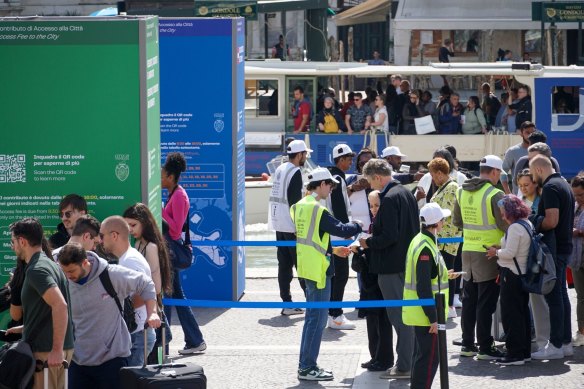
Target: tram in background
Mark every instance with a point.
(269, 95)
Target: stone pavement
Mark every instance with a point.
(258, 348)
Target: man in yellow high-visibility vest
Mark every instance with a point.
(476, 211)
(425, 276)
(314, 225)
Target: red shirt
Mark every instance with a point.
(303, 109)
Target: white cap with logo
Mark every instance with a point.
(341, 150)
(492, 161)
(320, 174)
(392, 150)
(431, 213)
(297, 146)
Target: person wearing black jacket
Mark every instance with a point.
(71, 208)
(329, 109)
(523, 107)
(395, 226)
(339, 205)
(379, 332)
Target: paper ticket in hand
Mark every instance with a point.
(362, 235)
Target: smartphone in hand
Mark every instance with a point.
(4, 337)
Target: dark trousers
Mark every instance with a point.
(449, 260)
(425, 360)
(458, 267)
(380, 336)
(338, 283)
(104, 376)
(559, 306)
(286, 261)
(479, 302)
(515, 315)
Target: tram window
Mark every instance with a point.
(261, 98)
(565, 99)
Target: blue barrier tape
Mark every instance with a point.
(322, 305)
(283, 243)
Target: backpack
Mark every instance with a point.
(330, 124)
(17, 365)
(127, 311)
(540, 276)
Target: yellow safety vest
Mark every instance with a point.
(479, 224)
(312, 261)
(415, 316)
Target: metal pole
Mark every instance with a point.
(543, 43)
(440, 310)
(266, 35)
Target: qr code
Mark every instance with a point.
(12, 168)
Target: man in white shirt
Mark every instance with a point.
(115, 233)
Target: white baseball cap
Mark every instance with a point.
(320, 174)
(297, 146)
(431, 213)
(492, 161)
(392, 150)
(341, 150)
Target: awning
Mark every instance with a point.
(468, 15)
(371, 11)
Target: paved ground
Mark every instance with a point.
(258, 348)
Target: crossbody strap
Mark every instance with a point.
(106, 281)
(524, 225)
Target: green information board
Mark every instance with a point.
(79, 113)
(560, 12)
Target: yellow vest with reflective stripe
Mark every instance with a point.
(479, 225)
(415, 316)
(312, 261)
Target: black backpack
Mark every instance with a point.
(540, 277)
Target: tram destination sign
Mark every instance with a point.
(566, 12)
(247, 9)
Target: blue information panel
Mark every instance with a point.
(202, 116)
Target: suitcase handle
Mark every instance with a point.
(46, 374)
(163, 328)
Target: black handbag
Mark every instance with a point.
(181, 254)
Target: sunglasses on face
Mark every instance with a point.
(356, 99)
(66, 214)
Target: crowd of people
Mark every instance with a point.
(87, 277)
(67, 290)
(395, 110)
(397, 255)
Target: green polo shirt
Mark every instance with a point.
(41, 275)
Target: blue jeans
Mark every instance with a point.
(193, 335)
(136, 357)
(104, 376)
(314, 324)
(559, 306)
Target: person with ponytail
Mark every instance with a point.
(175, 213)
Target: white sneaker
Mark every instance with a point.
(548, 352)
(452, 313)
(578, 339)
(456, 302)
(568, 350)
(340, 323)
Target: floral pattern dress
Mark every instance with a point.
(445, 196)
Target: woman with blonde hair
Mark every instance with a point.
(445, 197)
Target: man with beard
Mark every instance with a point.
(102, 340)
(47, 327)
(70, 209)
(555, 218)
(287, 191)
(393, 156)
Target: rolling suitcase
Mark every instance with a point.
(46, 374)
(166, 375)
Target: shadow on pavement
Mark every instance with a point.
(203, 315)
(474, 368)
(281, 321)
